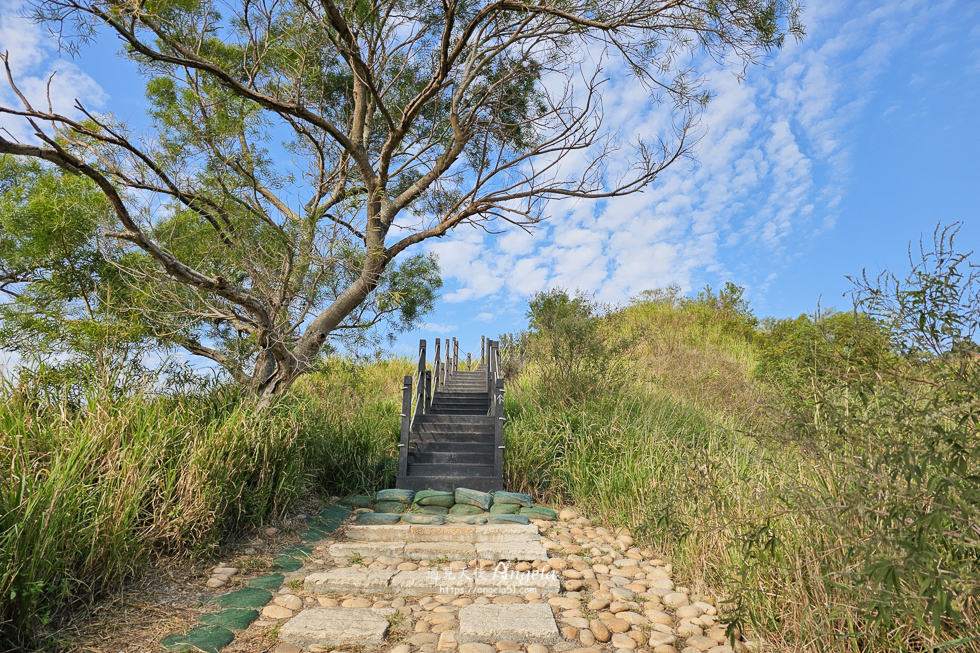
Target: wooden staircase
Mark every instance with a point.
(452, 423)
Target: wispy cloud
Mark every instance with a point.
(39, 72)
(771, 170)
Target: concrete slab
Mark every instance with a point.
(350, 581)
(435, 550)
(511, 551)
(470, 581)
(444, 533)
(522, 623)
(507, 533)
(343, 551)
(385, 533)
(337, 626)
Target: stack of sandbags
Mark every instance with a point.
(463, 506)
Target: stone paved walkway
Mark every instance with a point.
(568, 587)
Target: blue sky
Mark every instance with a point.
(827, 161)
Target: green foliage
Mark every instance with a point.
(578, 356)
(99, 487)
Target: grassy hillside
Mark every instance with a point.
(808, 470)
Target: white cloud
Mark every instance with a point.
(442, 329)
(771, 170)
(40, 73)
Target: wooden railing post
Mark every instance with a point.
(436, 368)
(469, 362)
(455, 355)
(428, 391)
(420, 391)
(498, 428)
(483, 350)
(406, 426)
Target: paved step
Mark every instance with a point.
(488, 624)
(478, 534)
(452, 470)
(452, 551)
(453, 446)
(453, 421)
(481, 483)
(346, 580)
(337, 626)
(427, 439)
(450, 457)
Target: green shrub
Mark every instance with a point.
(576, 354)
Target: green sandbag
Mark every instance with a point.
(232, 618)
(466, 519)
(442, 498)
(465, 509)
(474, 498)
(404, 496)
(504, 509)
(512, 498)
(249, 597)
(204, 638)
(356, 501)
(508, 519)
(267, 582)
(429, 510)
(390, 506)
(434, 520)
(539, 512)
(378, 518)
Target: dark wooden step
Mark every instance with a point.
(450, 469)
(449, 483)
(450, 458)
(437, 446)
(453, 420)
(452, 438)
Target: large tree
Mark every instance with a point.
(295, 140)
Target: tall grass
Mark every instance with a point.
(777, 513)
(95, 491)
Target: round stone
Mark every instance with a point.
(292, 602)
(600, 631)
(621, 640)
(701, 643)
(473, 647)
(665, 648)
(658, 617)
(537, 648)
(658, 639)
(689, 630)
(617, 625)
(507, 645)
(676, 600)
(276, 612)
(569, 632)
(586, 637)
(402, 648)
(598, 604)
(215, 583)
(688, 612)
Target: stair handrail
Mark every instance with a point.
(418, 383)
(495, 390)
(436, 370)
